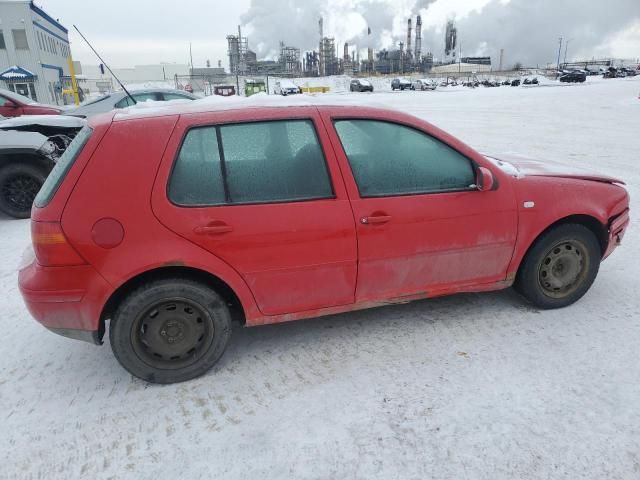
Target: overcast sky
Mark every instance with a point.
(135, 32)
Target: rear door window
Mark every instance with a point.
(258, 162)
(197, 174)
(62, 167)
(274, 162)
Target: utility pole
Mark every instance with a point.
(191, 56)
(559, 50)
(566, 45)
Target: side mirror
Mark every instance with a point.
(10, 104)
(485, 180)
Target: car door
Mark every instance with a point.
(265, 195)
(422, 225)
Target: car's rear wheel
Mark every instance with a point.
(560, 267)
(170, 331)
(19, 185)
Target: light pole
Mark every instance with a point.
(559, 50)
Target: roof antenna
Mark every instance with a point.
(105, 64)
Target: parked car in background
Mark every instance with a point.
(515, 83)
(117, 100)
(286, 87)
(423, 84)
(360, 85)
(400, 84)
(293, 212)
(30, 146)
(577, 76)
(14, 105)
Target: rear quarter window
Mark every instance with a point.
(62, 167)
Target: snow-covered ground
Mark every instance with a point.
(465, 387)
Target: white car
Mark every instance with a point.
(423, 84)
(286, 87)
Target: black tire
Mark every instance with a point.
(559, 267)
(19, 185)
(170, 330)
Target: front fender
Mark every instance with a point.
(544, 201)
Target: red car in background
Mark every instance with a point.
(168, 223)
(13, 105)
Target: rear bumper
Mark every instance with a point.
(66, 300)
(617, 229)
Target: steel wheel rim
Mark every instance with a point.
(563, 269)
(172, 333)
(19, 191)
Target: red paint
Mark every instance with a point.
(107, 233)
(11, 107)
(289, 261)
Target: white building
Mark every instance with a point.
(34, 51)
(454, 68)
(139, 73)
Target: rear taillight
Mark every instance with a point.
(51, 247)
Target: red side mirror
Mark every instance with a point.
(485, 180)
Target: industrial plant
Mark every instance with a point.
(408, 57)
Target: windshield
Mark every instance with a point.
(64, 164)
(17, 97)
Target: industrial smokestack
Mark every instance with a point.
(409, 38)
(320, 50)
(346, 51)
(418, 38)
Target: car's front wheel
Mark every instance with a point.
(19, 185)
(560, 267)
(170, 330)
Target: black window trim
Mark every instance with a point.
(227, 203)
(474, 165)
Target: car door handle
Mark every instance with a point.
(213, 229)
(375, 220)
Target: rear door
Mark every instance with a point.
(266, 196)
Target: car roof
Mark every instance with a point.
(214, 104)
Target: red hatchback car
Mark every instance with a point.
(168, 223)
(14, 105)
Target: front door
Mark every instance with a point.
(267, 198)
(422, 226)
